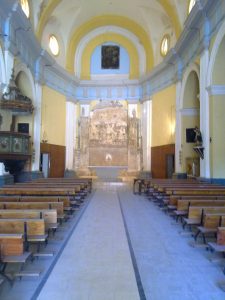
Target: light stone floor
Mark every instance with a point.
(96, 263)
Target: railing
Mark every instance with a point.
(14, 143)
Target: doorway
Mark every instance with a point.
(45, 164)
(169, 165)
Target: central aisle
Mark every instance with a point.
(96, 262)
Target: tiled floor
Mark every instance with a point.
(169, 267)
(96, 262)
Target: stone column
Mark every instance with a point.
(37, 128)
(71, 111)
(146, 134)
(178, 142)
(9, 61)
(204, 114)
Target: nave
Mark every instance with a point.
(151, 260)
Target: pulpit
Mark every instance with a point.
(14, 150)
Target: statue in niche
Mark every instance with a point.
(198, 136)
(83, 112)
(134, 113)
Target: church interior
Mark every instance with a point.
(112, 152)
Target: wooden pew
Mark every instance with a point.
(76, 187)
(219, 245)
(49, 216)
(11, 244)
(32, 229)
(37, 191)
(58, 206)
(86, 181)
(174, 199)
(210, 223)
(203, 191)
(67, 202)
(183, 205)
(12, 251)
(196, 213)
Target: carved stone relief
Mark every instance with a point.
(109, 138)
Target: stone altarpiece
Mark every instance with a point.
(108, 137)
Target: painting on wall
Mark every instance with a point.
(110, 57)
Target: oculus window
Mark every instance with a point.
(110, 57)
(165, 44)
(25, 7)
(191, 5)
(53, 45)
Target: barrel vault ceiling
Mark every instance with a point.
(73, 20)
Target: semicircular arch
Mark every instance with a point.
(107, 20)
(109, 37)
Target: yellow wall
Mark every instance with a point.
(218, 73)
(163, 117)
(217, 128)
(53, 116)
(191, 92)
(6, 119)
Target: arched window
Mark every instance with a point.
(165, 45)
(53, 45)
(25, 7)
(191, 5)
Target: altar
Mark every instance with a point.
(107, 174)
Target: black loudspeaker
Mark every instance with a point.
(23, 127)
(190, 135)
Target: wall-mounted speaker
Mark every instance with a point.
(23, 127)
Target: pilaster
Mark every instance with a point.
(71, 116)
(178, 143)
(37, 128)
(204, 114)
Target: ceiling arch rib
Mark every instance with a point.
(172, 13)
(109, 37)
(102, 30)
(46, 14)
(108, 20)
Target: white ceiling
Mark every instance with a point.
(156, 17)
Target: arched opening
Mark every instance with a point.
(190, 118)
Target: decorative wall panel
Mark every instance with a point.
(108, 135)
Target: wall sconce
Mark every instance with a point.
(44, 138)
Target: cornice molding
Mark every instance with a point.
(189, 111)
(215, 90)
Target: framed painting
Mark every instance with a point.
(110, 57)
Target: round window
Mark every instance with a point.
(25, 7)
(165, 44)
(191, 5)
(54, 45)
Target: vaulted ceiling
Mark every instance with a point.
(73, 20)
